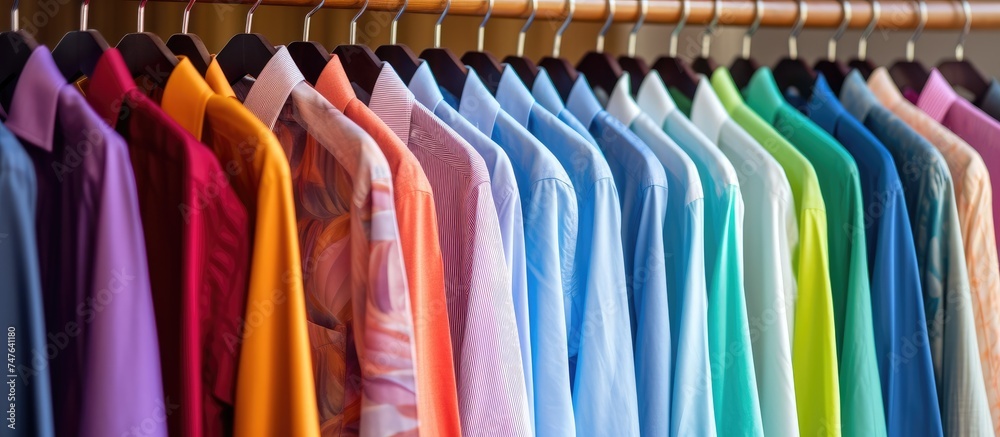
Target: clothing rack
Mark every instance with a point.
(895, 14)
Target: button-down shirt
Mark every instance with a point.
(550, 226)
(642, 191)
(814, 353)
(771, 231)
(973, 197)
(684, 244)
(437, 395)
(352, 270)
(487, 357)
(734, 385)
(92, 261)
(275, 392)
(861, 410)
(553, 103)
(990, 101)
(21, 309)
(893, 265)
(198, 247)
(597, 324)
(506, 199)
(937, 238)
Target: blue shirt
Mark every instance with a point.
(547, 96)
(642, 191)
(505, 197)
(600, 359)
(21, 312)
(930, 201)
(549, 206)
(896, 296)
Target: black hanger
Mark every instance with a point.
(959, 72)
(833, 70)
(448, 70)
(310, 56)
(745, 66)
(524, 67)
(792, 72)
(674, 71)
(78, 51)
(15, 50)
(483, 62)
(909, 73)
(636, 67)
(563, 74)
(245, 54)
(704, 64)
(145, 54)
(399, 56)
(189, 45)
(602, 71)
(360, 63)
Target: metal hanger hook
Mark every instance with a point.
(557, 40)
(308, 20)
(437, 25)
(141, 23)
(633, 35)
(186, 18)
(758, 15)
(911, 44)
(352, 36)
(607, 25)
(250, 15)
(831, 46)
(521, 35)
(84, 14)
(863, 41)
(395, 22)
(706, 36)
(676, 33)
(481, 41)
(14, 16)
(960, 47)
(800, 22)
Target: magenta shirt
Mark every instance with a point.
(101, 333)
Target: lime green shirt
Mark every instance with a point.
(814, 352)
(860, 404)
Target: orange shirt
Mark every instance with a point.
(275, 391)
(437, 398)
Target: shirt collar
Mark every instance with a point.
(881, 85)
(36, 97)
(425, 88)
(937, 97)
(274, 84)
(582, 102)
(513, 95)
(544, 91)
(620, 103)
(478, 105)
(108, 85)
(855, 96)
(725, 89)
(763, 95)
(334, 84)
(216, 79)
(707, 112)
(185, 97)
(824, 109)
(654, 99)
(392, 102)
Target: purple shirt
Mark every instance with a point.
(103, 355)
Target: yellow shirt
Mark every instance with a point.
(275, 392)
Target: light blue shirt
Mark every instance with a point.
(692, 404)
(600, 359)
(505, 197)
(550, 212)
(642, 191)
(547, 96)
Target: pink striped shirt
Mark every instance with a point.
(491, 387)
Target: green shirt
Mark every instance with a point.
(861, 406)
(814, 353)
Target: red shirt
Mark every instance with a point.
(198, 250)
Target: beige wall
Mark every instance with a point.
(215, 23)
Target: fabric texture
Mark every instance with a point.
(353, 271)
(416, 218)
(91, 250)
(275, 389)
(937, 237)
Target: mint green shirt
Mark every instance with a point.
(814, 352)
(861, 405)
(734, 383)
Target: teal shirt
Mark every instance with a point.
(862, 412)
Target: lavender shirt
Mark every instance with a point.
(101, 335)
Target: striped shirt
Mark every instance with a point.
(491, 392)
